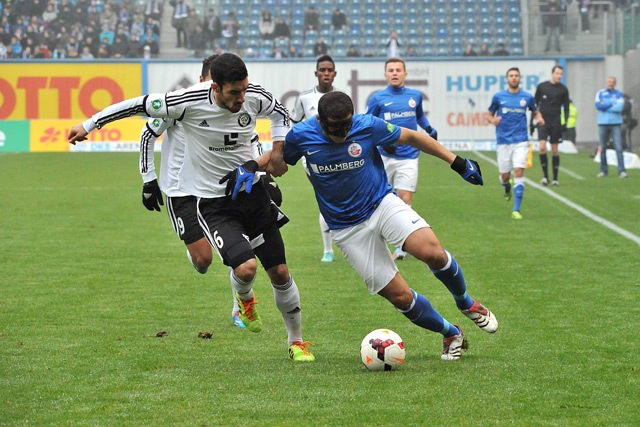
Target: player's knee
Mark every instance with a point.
(201, 261)
(247, 270)
(436, 258)
(279, 274)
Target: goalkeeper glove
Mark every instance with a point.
(468, 169)
(152, 196)
(532, 128)
(242, 175)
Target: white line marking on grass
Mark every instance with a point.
(611, 226)
(572, 174)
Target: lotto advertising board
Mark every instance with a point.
(456, 95)
(65, 91)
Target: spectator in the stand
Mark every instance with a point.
(583, 7)
(281, 29)
(368, 53)
(213, 27)
(108, 34)
(484, 50)
(91, 44)
(124, 35)
(411, 52)
(278, 53)
(104, 51)
(190, 25)
(501, 50)
(134, 47)
(294, 52)
(249, 53)
(338, 19)
(108, 17)
(199, 41)
(311, 19)
(86, 53)
(230, 29)
(38, 53)
(352, 51)
(72, 53)
(49, 15)
(180, 13)
(3, 50)
(119, 48)
(151, 24)
(152, 9)
(73, 44)
(393, 45)
(553, 15)
(137, 26)
(60, 46)
(266, 25)
(151, 46)
(469, 51)
(320, 47)
(150, 37)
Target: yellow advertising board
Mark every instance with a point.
(65, 91)
(51, 135)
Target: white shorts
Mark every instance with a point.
(365, 245)
(402, 174)
(512, 156)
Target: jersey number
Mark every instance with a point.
(218, 240)
(231, 139)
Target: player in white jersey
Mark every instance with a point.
(354, 195)
(306, 106)
(219, 119)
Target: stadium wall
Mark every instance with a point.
(39, 107)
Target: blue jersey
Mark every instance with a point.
(349, 179)
(512, 107)
(402, 107)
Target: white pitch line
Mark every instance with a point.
(611, 226)
(571, 173)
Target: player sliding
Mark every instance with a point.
(364, 215)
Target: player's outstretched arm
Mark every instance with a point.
(77, 134)
(276, 165)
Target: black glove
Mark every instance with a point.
(468, 169)
(390, 149)
(242, 175)
(272, 189)
(152, 196)
(532, 128)
(432, 132)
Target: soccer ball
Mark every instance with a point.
(382, 350)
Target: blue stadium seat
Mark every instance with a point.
(427, 50)
(457, 51)
(442, 51)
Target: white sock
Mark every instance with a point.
(287, 298)
(326, 235)
(244, 289)
(235, 308)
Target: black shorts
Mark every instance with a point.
(244, 228)
(183, 213)
(551, 132)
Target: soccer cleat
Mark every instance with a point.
(555, 183)
(399, 254)
(623, 174)
(516, 215)
(327, 257)
(601, 175)
(249, 315)
(482, 317)
(237, 321)
(452, 347)
(298, 352)
(544, 182)
(507, 190)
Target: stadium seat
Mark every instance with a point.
(442, 51)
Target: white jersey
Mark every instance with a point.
(172, 155)
(307, 104)
(217, 140)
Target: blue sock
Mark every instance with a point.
(451, 276)
(518, 193)
(422, 313)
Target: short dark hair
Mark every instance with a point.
(335, 106)
(556, 66)
(390, 60)
(206, 65)
(324, 58)
(228, 68)
(513, 69)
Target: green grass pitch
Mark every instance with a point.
(88, 277)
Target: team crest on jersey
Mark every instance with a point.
(355, 150)
(156, 122)
(244, 119)
(412, 103)
(156, 104)
(523, 103)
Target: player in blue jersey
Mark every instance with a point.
(401, 106)
(509, 115)
(364, 214)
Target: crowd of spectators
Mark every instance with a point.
(83, 29)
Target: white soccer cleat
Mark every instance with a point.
(482, 317)
(452, 347)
